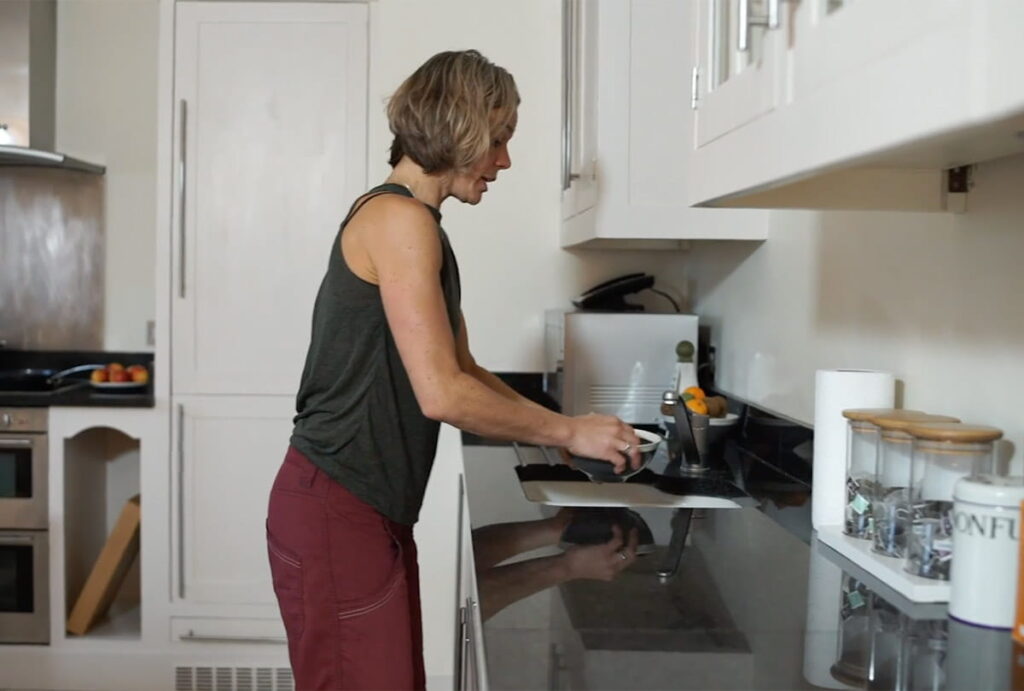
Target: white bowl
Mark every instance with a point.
(603, 471)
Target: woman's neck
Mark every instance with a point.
(429, 189)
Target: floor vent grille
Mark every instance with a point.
(233, 679)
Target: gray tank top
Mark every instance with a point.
(358, 419)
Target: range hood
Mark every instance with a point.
(28, 61)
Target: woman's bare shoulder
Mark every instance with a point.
(393, 210)
(390, 229)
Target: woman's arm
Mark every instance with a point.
(500, 586)
(469, 366)
(400, 239)
(493, 544)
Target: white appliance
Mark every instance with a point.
(613, 363)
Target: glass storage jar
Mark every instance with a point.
(853, 645)
(861, 455)
(887, 629)
(943, 453)
(925, 651)
(891, 508)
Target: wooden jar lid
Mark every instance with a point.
(900, 420)
(865, 414)
(954, 432)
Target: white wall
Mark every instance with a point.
(106, 113)
(512, 267)
(934, 298)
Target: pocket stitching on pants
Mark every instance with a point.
(289, 588)
(392, 589)
(284, 557)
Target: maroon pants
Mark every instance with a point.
(347, 584)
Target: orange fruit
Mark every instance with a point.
(696, 392)
(697, 406)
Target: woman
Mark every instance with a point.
(388, 361)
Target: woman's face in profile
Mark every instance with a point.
(469, 186)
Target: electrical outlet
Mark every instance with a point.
(150, 332)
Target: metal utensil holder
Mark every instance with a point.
(688, 443)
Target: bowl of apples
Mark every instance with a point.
(116, 376)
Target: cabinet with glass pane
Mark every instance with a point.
(856, 104)
(737, 66)
(633, 151)
(579, 107)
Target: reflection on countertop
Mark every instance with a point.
(756, 603)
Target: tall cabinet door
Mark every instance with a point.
(227, 450)
(270, 132)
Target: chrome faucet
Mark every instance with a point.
(686, 436)
(680, 529)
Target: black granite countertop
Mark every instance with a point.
(77, 390)
(755, 603)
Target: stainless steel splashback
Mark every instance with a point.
(52, 254)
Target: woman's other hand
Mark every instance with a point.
(607, 438)
(602, 562)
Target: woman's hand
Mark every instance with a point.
(607, 438)
(602, 562)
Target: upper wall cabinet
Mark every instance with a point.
(270, 147)
(851, 103)
(627, 130)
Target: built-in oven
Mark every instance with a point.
(24, 539)
(24, 586)
(23, 462)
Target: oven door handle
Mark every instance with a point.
(16, 539)
(19, 443)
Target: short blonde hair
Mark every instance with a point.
(446, 113)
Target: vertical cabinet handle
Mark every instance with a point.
(745, 21)
(555, 667)
(567, 89)
(183, 130)
(694, 87)
(181, 501)
(463, 649)
(743, 26)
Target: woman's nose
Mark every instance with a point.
(503, 160)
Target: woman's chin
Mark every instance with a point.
(473, 198)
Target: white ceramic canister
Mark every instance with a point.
(986, 539)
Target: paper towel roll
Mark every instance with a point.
(834, 392)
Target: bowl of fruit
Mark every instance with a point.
(115, 376)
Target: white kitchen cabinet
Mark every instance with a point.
(226, 451)
(832, 38)
(644, 114)
(873, 103)
(270, 107)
